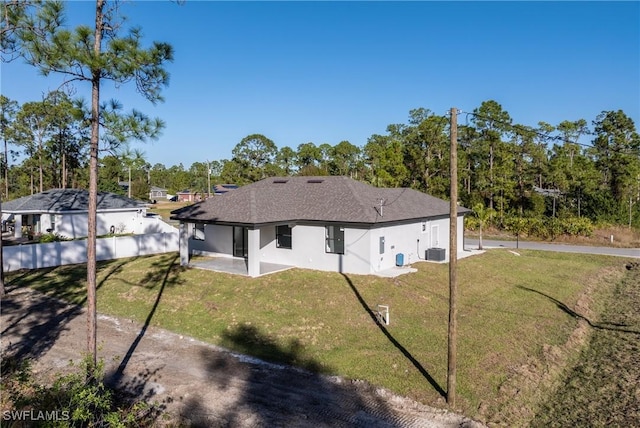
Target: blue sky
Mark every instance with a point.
(324, 72)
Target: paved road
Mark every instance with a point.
(470, 243)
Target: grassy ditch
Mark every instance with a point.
(602, 389)
(515, 311)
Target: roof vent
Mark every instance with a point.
(280, 181)
(315, 180)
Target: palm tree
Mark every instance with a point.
(484, 215)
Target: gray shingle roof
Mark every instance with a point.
(60, 200)
(328, 199)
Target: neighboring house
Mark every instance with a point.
(221, 189)
(157, 193)
(64, 211)
(324, 223)
(189, 196)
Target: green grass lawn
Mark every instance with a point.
(164, 208)
(511, 308)
(601, 390)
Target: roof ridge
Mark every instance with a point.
(358, 196)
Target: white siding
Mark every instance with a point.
(76, 225)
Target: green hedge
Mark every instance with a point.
(549, 228)
(540, 227)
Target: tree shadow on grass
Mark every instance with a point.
(395, 343)
(275, 394)
(162, 273)
(66, 282)
(566, 309)
(39, 304)
(33, 323)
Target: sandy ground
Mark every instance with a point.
(199, 384)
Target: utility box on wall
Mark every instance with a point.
(436, 254)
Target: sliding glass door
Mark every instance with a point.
(240, 241)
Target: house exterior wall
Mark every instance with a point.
(411, 240)
(460, 234)
(362, 246)
(75, 225)
(189, 197)
(157, 194)
(398, 239)
(363, 251)
(308, 250)
(218, 240)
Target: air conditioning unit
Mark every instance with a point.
(436, 254)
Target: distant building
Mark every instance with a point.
(189, 196)
(547, 192)
(157, 193)
(64, 212)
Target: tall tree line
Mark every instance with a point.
(567, 169)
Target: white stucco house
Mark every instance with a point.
(325, 223)
(64, 212)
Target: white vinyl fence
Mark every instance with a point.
(36, 256)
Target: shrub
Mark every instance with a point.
(577, 226)
(49, 237)
(75, 398)
(516, 225)
(52, 237)
(535, 226)
(471, 223)
(555, 227)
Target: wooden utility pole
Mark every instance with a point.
(208, 179)
(453, 262)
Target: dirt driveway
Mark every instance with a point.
(200, 384)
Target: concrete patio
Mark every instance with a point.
(236, 266)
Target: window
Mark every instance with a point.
(335, 239)
(52, 220)
(198, 231)
(283, 236)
